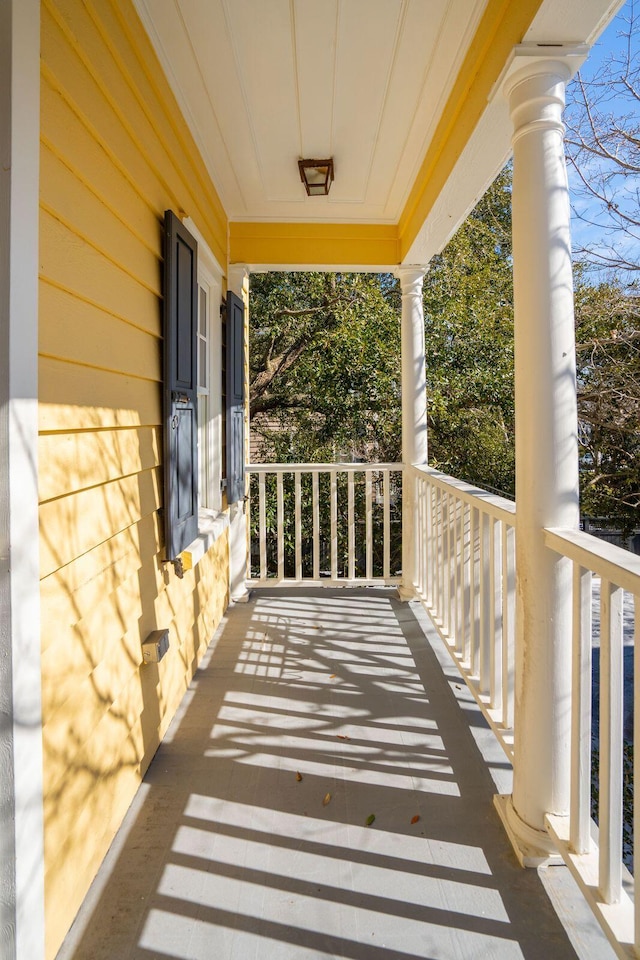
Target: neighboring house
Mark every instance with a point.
(262, 427)
(113, 112)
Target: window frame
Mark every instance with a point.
(210, 426)
(212, 517)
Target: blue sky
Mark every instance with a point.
(610, 41)
(611, 44)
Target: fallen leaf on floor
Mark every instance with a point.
(298, 776)
(415, 819)
(370, 819)
(342, 736)
(327, 799)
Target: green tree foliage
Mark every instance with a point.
(325, 386)
(468, 302)
(325, 367)
(603, 146)
(608, 365)
(325, 357)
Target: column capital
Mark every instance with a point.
(237, 275)
(527, 60)
(534, 82)
(411, 277)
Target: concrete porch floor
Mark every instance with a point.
(226, 854)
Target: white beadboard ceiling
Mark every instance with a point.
(262, 83)
(265, 82)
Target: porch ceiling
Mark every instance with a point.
(392, 89)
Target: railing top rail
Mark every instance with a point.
(605, 559)
(498, 507)
(319, 467)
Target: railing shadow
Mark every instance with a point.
(230, 850)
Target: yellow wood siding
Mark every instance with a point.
(115, 153)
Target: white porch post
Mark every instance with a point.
(546, 446)
(238, 282)
(414, 414)
(21, 814)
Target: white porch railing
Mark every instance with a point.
(328, 523)
(595, 854)
(465, 575)
(340, 524)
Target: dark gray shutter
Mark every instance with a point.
(235, 398)
(180, 386)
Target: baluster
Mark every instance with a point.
(298, 525)
(262, 504)
(610, 807)
(422, 538)
(351, 523)
(368, 495)
(466, 584)
(315, 495)
(446, 582)
(428, 546)
(431, 527)
(453, 572)
(248, 527)
(485, 604)
(474, 588)
(495, 614)
(386, 521)
(580, 823)
(459, 553)
(415, 534)
(437, 558)
(280, 524)
(508, 622)
(453, 559)
(334, 525)
(438, 555)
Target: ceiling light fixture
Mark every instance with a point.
(317, 176)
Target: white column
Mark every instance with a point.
(238, 282)
(414, 414)
(21, 818)
(546, 449)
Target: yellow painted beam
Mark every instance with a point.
(503, 25)
(313, 243)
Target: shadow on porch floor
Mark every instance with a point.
(227, 855)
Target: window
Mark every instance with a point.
(192, 395)
(209, 396)
(180, 389)
(209, 351)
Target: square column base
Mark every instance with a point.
(243, 597)
(406, 594)
(533, 848)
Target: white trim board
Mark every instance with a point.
(21, 819)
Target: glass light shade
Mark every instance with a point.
(317, 176)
